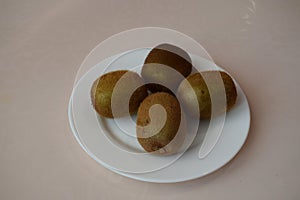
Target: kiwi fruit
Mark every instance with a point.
(157, 131)
(207, 85)
(160, 78)
(102, 91)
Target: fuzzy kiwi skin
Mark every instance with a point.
(161, 139)
(102, 89)
(199, 86)
(162, 80)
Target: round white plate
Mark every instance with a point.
(101, 139)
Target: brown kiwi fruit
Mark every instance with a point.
(199, 84)
(159, 78)
(157, 136)
(103, 87)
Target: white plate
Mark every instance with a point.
(85, 126)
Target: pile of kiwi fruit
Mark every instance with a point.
(159, 87)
